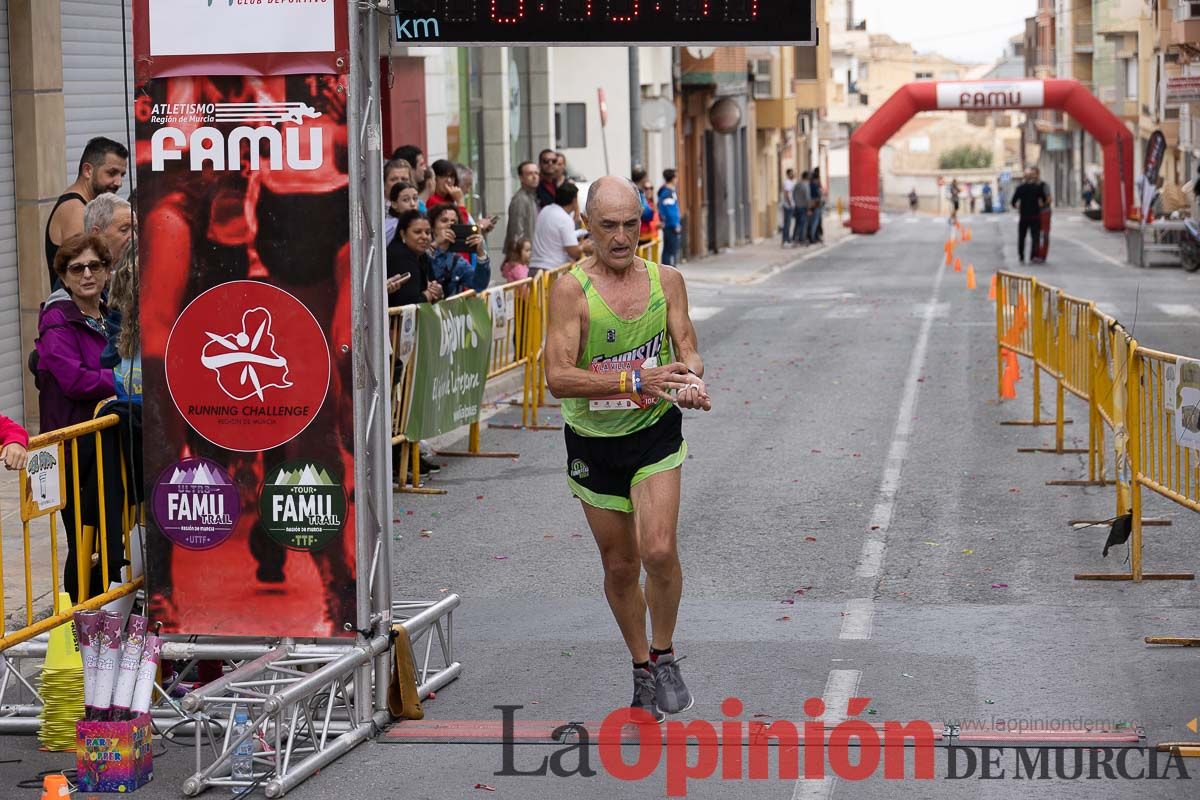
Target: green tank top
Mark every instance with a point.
(615, 344)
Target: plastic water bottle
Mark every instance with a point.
(242, 760)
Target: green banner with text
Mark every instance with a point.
(453, 350)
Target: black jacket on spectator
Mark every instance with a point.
(1028, 199)
(402, 260)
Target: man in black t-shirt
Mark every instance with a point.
(1029, 199)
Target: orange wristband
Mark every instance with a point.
(623, 376)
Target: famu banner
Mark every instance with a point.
(454, 347)
(244, 208)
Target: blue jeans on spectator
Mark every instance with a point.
(800, 229)
(814, 220)
(670, 246)
(788, 216)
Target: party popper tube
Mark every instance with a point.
(127, 668)
(86, 625)
(108, 653)
(147, 671)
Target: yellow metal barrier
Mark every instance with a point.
(1016, 333)
(86, 539)
(1156, 459)
(1092, 357)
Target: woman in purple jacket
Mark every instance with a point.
(71, 382)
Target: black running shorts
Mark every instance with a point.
(601, 470)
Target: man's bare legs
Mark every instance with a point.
(645, 538)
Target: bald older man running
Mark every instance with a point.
(620, 341)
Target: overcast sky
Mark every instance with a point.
(974, 31)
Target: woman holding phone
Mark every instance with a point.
(458, 253)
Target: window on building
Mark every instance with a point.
(570, 125)
(805, 63)
(1131, 78)
(924, 76)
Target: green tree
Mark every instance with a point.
(965, 157)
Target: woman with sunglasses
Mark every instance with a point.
(70, 381)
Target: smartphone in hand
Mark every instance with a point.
(461, 232)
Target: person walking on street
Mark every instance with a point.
(913, 200)
(986, 191)
(970, 198)
(1029, 199)
(672, 222)
(620, 340)
(953, 192)
(787, 205)
(801, 202)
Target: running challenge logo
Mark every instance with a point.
(632, 747)
(247, 366)
(188, 129)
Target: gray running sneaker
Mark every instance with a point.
(670, 692)
(644, 688)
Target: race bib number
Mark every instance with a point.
(622, 402)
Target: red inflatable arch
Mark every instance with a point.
(1065, 95)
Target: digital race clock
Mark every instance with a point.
(596, 22)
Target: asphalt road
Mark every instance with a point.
(855, 522)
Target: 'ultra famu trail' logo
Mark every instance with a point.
(302, 505)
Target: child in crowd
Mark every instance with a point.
(516, 260)
(13, 441)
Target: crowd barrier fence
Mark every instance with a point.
(1127, 389)
(49, 462)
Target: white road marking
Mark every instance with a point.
(704, 312)
(840, 686)
(1106, 258)
(1178, 309)
(858, 618)
(871, 560)
(765, 312)
(881, 517)
(819, 251)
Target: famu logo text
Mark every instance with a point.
(300, 147)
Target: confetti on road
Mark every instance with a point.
(999, 585)
(485, 787)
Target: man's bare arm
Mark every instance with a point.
(679, 321)
(683, 338)
(67, 222)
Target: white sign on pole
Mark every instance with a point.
(45, 480)
(1185, 402)
(222, 27)
(990, 95)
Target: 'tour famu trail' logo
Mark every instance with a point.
(302, 505)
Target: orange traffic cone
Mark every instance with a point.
(1010, 376)
(958, 265)
(992, 288)
(55, 787)
(967, 235)
(949, 258)
(970, 276)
